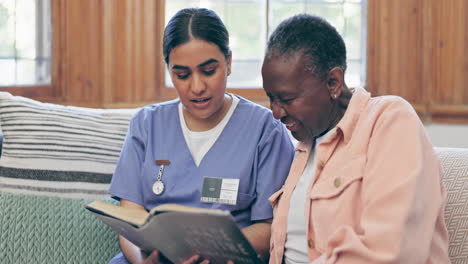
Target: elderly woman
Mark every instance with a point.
(365, 185)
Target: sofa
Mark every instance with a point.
(54, 160)
(455, 167)
(57, 158)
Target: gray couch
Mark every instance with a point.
(55, 159)
(455, 166)
(56, 230)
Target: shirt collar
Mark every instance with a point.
(356, 105)
(348, 123)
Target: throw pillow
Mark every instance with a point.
(58, 150)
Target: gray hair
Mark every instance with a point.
(312, 37)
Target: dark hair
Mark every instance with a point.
(199, 23)
(314, 37)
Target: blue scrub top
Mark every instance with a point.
(253, 147)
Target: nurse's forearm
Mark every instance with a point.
(258, 235)
(130, 251)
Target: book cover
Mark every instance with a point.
(179, 232)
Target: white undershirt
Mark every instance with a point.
(200, 142)
(295, 249)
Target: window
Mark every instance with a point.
(250, 22)
(25, 46)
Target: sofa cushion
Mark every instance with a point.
(58, 150)
(455, 166)
(39, 229)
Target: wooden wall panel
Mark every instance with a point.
(118, 45)
(82, 53)
(449, 91)
(418, 49)
(395, 49)
(111, 52)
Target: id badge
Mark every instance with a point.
(219, 190)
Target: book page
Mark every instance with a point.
(130, 215)
(182, 208)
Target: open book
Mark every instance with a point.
(179, 232)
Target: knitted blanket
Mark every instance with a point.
(37, 229)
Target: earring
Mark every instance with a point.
(334, 96)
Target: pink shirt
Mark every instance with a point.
(377, 195)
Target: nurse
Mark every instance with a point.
(175, 149)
